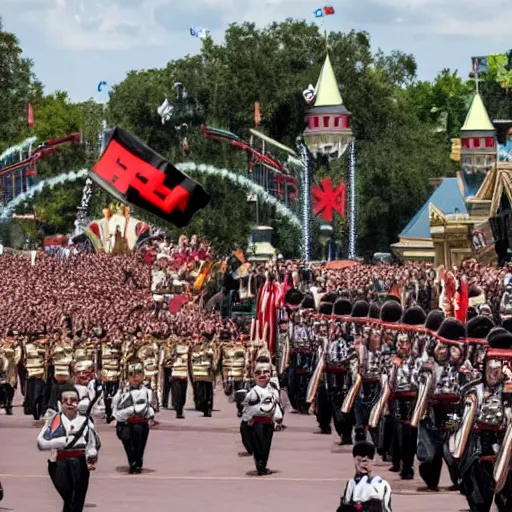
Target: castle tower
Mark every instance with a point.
(478, 144)
(328, 131)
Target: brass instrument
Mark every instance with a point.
(422, 400)
(458, 441)
(284, 359)
(348, 403)
(205, 271)
(314, 381)
(502, 464)
(378, 408)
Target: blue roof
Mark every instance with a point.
(446, 197)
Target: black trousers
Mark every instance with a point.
(179, 394)
(71, 479)
(204, 397)
(245, 433)
(34, 397)
(323, 408)
(134, 437)
(260, 435)
(6, 397)
(167, 387)
(430, 470)
(477, 475)
(404, 438)
(338, 384)
(297, 389)
(109, 391)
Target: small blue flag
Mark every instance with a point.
(319, 13)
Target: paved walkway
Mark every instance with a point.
(192, 466)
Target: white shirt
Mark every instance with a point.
(59, 431)
(374, 488)
(132, 402)
(262, 402)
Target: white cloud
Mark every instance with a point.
(84, 25)
(89, 25)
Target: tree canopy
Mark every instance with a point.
(402, 126)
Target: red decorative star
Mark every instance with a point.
(325, 199)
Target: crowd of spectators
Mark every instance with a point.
(113, 291)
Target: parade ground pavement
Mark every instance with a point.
(193, 465)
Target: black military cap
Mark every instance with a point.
(451, 330)
(479, 327)
(434, 320)
(390, 312)
(414, 316)
(342, 307)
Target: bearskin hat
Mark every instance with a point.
(293, 298)
(67, 387)
(451, 330)
(342, 307)
(499, 338)
(479, 327)
(391, 312)
(374, 310)
(325, 308)
(360, 309)
(329, 297)
(434, 320)
(414, 316)
(506, 323)
(308, 302)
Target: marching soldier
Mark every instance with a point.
(341, 363)
(261, 410)
(83, 373)
(404, 386)
(301, 355)
(131, 408)
(202, 372)
(72, 440)
(179, 360)
(483, 443)
(149, 353)
(36, 353)
(9, 355)
(233, 363)
(110, 370)
(439, 394)
(60, 358)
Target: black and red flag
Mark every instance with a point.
(133, 173)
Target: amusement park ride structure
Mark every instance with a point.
(16, 175)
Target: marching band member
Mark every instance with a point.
(261, 409)
(441, 380)
(179, 375)
(404, 387)
(483, 443)
(36, 362)
(110, 371)
(133, 413)
(365, 492)
(340, 357)
(9, 353)
(202, 366)
(72, 441)
(233, 363)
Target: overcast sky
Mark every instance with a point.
(77, 43)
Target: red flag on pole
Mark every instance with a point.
(30, 120)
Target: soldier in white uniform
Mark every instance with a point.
(72, 440)
(261, 410)
(365, 492)
(133, 412)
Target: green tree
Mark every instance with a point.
(18, 86)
